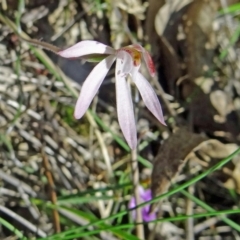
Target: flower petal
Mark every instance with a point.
(149, 96)
(147, 195)
(146, 216)
(125, 106)
(91, 85)
(85, 48)
(132, 204)
(141, 191)
(125, 64)
(149, 62)
(147, 58)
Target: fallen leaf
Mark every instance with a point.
(172, 156)
(181, 147)
(229, 175)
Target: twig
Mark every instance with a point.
(4, 5)
(17, 183)
(200, 227)
(166, 102)
(189, 211)
(70, 24)
(48, 173)
(53, 195)
(156, 225)
(23, 221)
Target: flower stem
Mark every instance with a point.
(135, 174)
(135, 178)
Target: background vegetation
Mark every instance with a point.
(66, 179)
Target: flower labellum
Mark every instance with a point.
(145, 195)
(128, 62)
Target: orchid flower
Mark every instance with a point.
(145, 195)
(128, 61)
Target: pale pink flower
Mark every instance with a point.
(128, 61)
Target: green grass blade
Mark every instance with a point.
(230, 9)
(233, 40)
(168, 194)
(11, 228)
(211, 210)
(78, 232)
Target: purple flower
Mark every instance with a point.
(145, 195)
(128, 62)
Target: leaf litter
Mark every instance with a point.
(200, 87)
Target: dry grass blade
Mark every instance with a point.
(23, 221)
(195, 46)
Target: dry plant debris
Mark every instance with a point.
(48, 159)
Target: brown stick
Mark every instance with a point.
(52, 192)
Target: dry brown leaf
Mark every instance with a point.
(205, 116)
(234, 180)
(171, 158)
(219, 100)
(180, 147)
(217, 150)
(153, 8)
(189, 33)
(213, 151)
(188, 27)
(166, 11)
